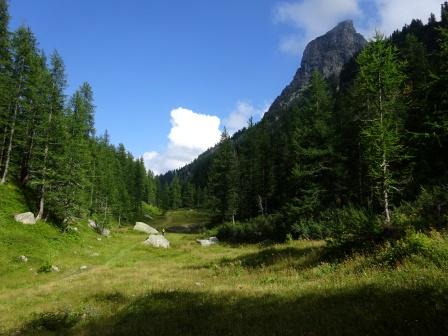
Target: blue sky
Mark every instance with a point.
(168, 74)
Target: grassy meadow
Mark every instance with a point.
(127, 288)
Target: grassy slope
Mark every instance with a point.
(131, 289)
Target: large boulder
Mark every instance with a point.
(26, 218)
(157, 241)
(208, 241)
(142, 227)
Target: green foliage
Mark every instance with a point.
(223, 181)
(379, 89)
(431, 248)
(342, 225)
(428, 211)
(254, 230)
(45, 268)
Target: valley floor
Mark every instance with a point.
(127, 288)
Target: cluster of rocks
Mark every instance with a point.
(155, 239)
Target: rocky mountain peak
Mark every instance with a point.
(327, 54)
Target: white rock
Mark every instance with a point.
(208, 241)
(143, 227)
(105, 232)
(23, 258)
(83, 267)
(157, 241)
(54, 268)
(96, 254)
(25, 218)
(92, 224)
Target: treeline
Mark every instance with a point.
(48, 143)
(366, 157)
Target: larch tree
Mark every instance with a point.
(379, 89)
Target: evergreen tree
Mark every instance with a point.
(223, 180)
(379, 85)
(46, 165)
(73, 186)
(188, 195)
(5, 79)
(152, 188)
(313, 151)
(23, 76)
(175, 193)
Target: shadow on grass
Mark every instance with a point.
(363, 311)
(302, 257)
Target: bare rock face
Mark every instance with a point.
(26, 218)
(142, 227)
(326, 54)
(157, 241)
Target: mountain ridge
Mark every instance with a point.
(327, 54)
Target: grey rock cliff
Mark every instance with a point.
(327, 54)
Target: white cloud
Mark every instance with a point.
(394, 14)
(191, 134)
(292, 44)
(312, 18)
(239, 117)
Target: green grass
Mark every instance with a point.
(284, 289)
(187, 217)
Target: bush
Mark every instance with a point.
(428, 211)
(433, 248)
(45, 268)
(344, 224)
(310, 228)
(253, 231)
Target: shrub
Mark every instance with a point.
(344, 224)
(253, 231)
(45, 268)
(428, 211)
(433, 248)
(310, 228)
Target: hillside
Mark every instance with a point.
(296, 288)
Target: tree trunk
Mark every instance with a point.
(25, 169)
(384, 163)
(41, 204)
(11, 137)
(386, 191)
(260, 205)
(2, 152)
(44, 174)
